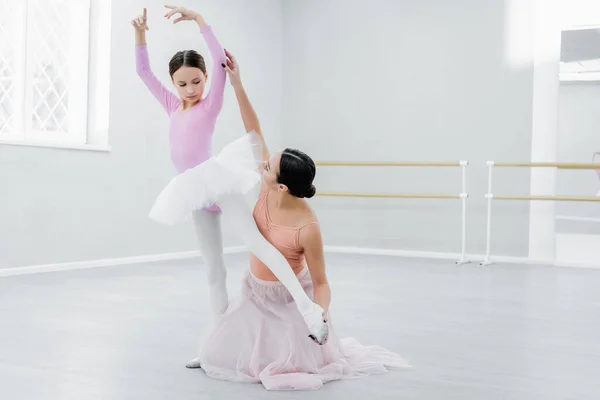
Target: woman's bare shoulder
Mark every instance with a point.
(307, 216)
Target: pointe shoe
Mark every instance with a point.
(194, 363)
(317, 325)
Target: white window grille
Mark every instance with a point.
(9, 65)
(44, 71)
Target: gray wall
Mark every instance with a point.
(62, 205)
(408, 80)
(579, 139)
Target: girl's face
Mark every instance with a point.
(190, 83)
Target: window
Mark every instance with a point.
(45, 74)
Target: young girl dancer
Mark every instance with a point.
(193, 120)
(192, 124)
(262, 336)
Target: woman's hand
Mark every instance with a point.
(184, 14)
(141, 22)
(233, 69)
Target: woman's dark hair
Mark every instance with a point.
(187, 58)
(297, 171)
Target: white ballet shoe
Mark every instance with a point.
(194, 363)
(317, 325)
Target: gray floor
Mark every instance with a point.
(501, 332)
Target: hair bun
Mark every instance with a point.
(310, 192)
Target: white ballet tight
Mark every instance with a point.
(208, 231)
(238, 215)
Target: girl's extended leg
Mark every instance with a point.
(239, 215)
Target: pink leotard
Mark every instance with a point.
(190, 131)
(286, 239)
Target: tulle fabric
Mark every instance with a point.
(234, 170)
(262, 338)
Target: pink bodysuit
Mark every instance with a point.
(190, 131)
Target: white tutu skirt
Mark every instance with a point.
(234, 170)
(262, 338)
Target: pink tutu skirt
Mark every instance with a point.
(262, 338)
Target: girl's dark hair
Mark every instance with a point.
(297, 171)
(187, 58)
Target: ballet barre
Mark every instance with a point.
(547, 198)
(391, 195)
(546, 165)
(390, 164)
(463, 196)
(490, 196)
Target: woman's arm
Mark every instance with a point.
(168, 100)
(249, 117)
(311, 242)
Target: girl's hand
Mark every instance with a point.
(141, 22)
(232, 68)
(184, 14)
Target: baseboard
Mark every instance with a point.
(583, 265)
(425, 254)
(578, 219)
(578, 250)
(474, 258)
(110, 262)
(390, 252)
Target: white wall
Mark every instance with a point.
(578, 223)
(578, 12)
(579, 139)
(411, 80)
(63, 205)
(544, 130)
